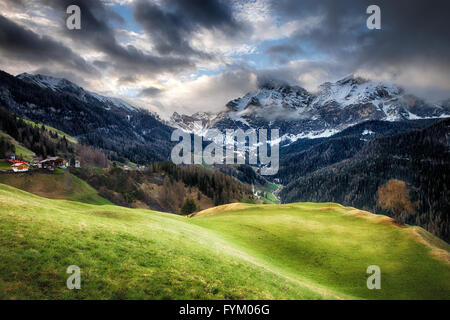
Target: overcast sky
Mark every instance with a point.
(188, 56)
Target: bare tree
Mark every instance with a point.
(394, 196)
(91, 157)
(172, 195)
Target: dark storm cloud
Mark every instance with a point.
(168, 30)
(171, 25)
(283, 52)
(150, 92)
(412, 31)
(102, 65)
(22, 44)
(130, 79)
(207, 13)
(316, 72)
(15, 3)
(97, 33)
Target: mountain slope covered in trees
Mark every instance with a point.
(166, 187)
(308, 155)
(42, 141)
(421, 158)
(124, 134)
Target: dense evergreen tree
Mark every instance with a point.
(6, 148)
(188, 207)
(38, 139)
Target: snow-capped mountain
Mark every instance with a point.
(375, 100)
(298, 113)
(194, 123)
(65, 86)
(277, 97)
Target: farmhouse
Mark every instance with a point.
(20, 167)
(52, 163)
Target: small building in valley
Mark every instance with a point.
(10, 156)
(52, 163)
(20, 167)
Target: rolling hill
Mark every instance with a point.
(20, 151)
(58, 185)
(236, 251)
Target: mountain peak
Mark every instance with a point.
(65, 86)
(45, 81)
(272, 84)
(351, 79)
(353, 90)
(280, 86)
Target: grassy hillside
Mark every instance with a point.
(123, 254)
(332, 245)
(58, 185)
(21, 151)
(50, 128)
(5, 165)
(237, 251)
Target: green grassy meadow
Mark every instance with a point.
(237, 251)
(5, 165)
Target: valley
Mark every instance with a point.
(319, 155)
(228, 159)
(141, 227)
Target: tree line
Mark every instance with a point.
(41, 141)
(165, 186)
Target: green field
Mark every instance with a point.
(327, 244)
(238, 251)
(5, 165)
